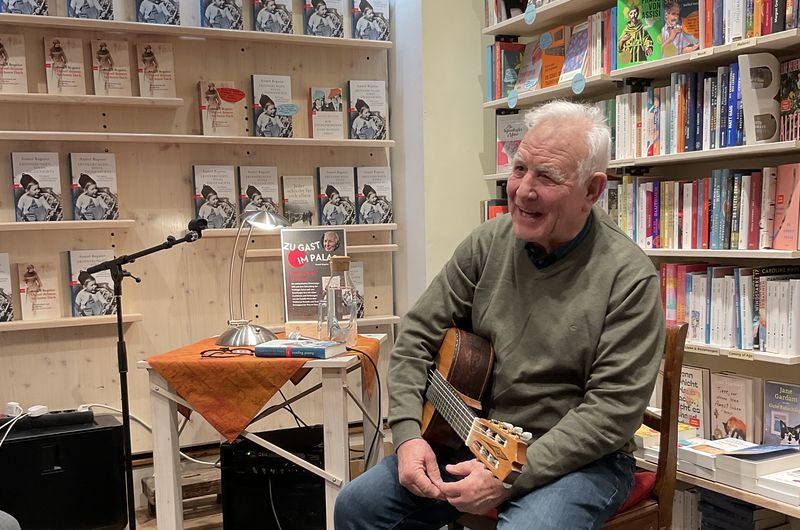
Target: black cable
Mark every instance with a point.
(288, 407)
(379, 421)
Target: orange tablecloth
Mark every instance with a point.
(229, 392)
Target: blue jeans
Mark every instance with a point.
(584, 499)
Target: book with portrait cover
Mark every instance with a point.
(13, 69)
(111, 67)
(221, 108)
(327, 112)
(371, 19)
(64, 66)
(299, 204)
(259, 189)
(680, 33)
(37, 187)
(577, 51)
(94, 186)
(374, 195)
(6, 294)
(91, 9)
(324, 18)
(781, 413)
(215, 195)
(368, 110)
(159, 12)
(639, 24)
(510, 130)
(273, 16)
(24, 7)
(39, 293)
(273, 109)
(156, 68)
(337, 195)
(221, 14)
(90, 294)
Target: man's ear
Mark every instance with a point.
(595, 187)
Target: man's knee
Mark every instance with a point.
(7, 522)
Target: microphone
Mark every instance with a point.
(196, 227)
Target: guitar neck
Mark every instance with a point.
(451, 407)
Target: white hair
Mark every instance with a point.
(598, 137)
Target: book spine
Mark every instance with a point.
(305, 353)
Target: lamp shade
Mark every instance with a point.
(264, 220)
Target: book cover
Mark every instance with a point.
(371, 19)
(40, 296)
(577, 51)
(158, 12)
(639, 26)
(787, 207)
(781, 413)
(790, 100)
(221, 14)
(13, 69)
(374, 195)
(733, 407)
(6, 294)
(553, 57)
(94, 186)
(64, 66)
(24, 7)
(156, 68)
(510, 130)
(530, 69)
(327, 112)
(299, 203)
(368, 110)
(324, 18)
(273, 16)
(787, 481)
(273, 110)
(316, 349)
(91, 9)
(703, 452)
(111, 67)
(37, 187)
(215, 195)
(507, 64)
(681, 31)
(337, 195)
(91, 294)
(221, 108)
(694, 399)
(259, 189)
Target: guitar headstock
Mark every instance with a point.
(500, 447)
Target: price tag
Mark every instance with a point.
(745, 355)
(512, 98)
(700, 348)
(578, 83)
(746, 43)
(530, 14)
(545, 40)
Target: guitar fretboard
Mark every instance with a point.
(443, 396)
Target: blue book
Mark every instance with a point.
(613, 32)
(490, 72)
(723, 73)
(718, 38)
(307, 348)
(732, 112)
(698, 111)
(221, 14)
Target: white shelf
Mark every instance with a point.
(748, 355)
(596, 84)
(710, 155)
(186, 139)
(557, 11)
(352, 249)
(191, 32)
(112, 101)
(496, 177)
(67, 322)
(231, 232)
(67, 225)
(713, 254)
(376, 320)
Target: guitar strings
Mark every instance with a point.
(460, 413)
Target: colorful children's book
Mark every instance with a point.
(530, 69)
(371, 19)
(259, 189)
(680, 33)
(577, 51)
(273, 16)
(736, 401)
(6, 294)
(13, 69)
(507, 64)
(64, 66)
(37, 187)
(781, 413)
(639, 24)
(94, 186)
(694, 406)
(215, 195)
(91, 294)
(273, 110)
(222, 108)
(221, 14)
(324, 18)
(156, 68)
(111, 67)
(40, 296)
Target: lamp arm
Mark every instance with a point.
(230, 274)
(241, 273)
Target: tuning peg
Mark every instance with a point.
(526, 436)
(507, 426)
(517, 430)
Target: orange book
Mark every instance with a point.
(787, 207)
(553, 59)
(709, 36)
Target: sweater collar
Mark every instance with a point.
(541, 259)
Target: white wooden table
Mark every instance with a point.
(335, 391)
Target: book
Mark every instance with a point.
(24, 7)
(703, 453)
(221, 14)
(215, 195)
(316, 349)
(374, 195)
(694, 406)
(40, 297)
(337, 195)
(577, 51)
(91, 294)
(259, 189)
(273, 16)
(530, 68)
(639, 26)
(371, 19)
(787, 208)
(64, 66)
(111, 67)
(273, 110)
(158, 12)
(91, 9)
(507, 64)
(222, 108)
(781, 413)
(783, 486)
(37, 187)
(94, 186)
(299, 203)
(647, 437)
(324, 18)
(326, 112)
(553, 57)
(680, 33)
(759, 460)
(13, 69)
(6, 294)
(735, 406)
(790, 100)
(156, 68)
(368, 110)
(510, 130)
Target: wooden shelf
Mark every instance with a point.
(67, 225)
(747, 355)
(596, 84)
(190, 32)
(231, 232)
(352, 249)
(710, 155)
(186, 139)
(375, 320)
(67, 322)
(557, 11)
(112, 101)
(714, 254)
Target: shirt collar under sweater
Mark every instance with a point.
(541, 259)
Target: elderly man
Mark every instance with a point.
(572, 308)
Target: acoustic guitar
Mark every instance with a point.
(457, 385)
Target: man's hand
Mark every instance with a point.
(418, 470)
(478, 492)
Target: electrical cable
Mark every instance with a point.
(288, 407)
(379, 420)
(10, 425)
(272, 504)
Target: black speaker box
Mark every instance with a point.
(65, 477)
(261, 489)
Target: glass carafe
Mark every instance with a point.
(339, 305)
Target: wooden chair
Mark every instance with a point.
(649, 506)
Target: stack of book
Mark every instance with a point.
(722, 512)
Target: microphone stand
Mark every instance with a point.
(118, 273)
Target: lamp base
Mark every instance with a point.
(243, 333)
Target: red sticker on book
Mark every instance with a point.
(231, 95)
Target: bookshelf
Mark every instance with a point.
(231, 232)
(595, 85)
(67, 322)
(123, 224)
(89, 100)
(547, 15)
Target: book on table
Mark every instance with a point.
(316, 349)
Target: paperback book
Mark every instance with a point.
(222, 108)
(783, 486)
(374, 195)
(639, 25)
(215, 195)
(64, 66)
(37, 187)
(553, 57)
(299, 204)
(273, 16)
(337, 195)
(111, 68)
(368, 110)
(324, 18)
(781, 413)
(94, 186)
(91, 9)
(38, 290)
(703, 453)
(24, 7)
(735, 403)
(156, 68)
(680, 33)
(13, 69)
(158, 12)
(694, 404)
(510, 130)
(327, 112)
(221, 14)
(6, 294)
(273, 110)
(315, 349)
(577, 51)
(259, 189)
(530, 69)
(91, 294)
(371, 19)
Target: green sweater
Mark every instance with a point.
(578, 343)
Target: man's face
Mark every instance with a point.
(633, 14)
(213, 200)
(90, 286)
(673, 13)
(91, 190)
(330, 241)
(547, 203)
(34, 190)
